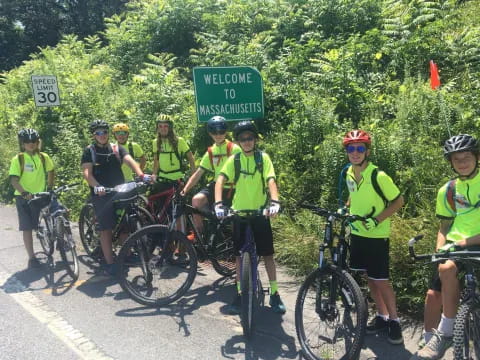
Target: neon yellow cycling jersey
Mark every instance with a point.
(250, 193)
(128, 173)
(169, 165)
(466, 218)
(33, 177)
(364, 199)
(219, 157)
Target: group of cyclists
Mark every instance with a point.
(244, 179)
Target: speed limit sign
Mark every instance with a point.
(45, 90)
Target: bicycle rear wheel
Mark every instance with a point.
(248, 295)
(68, 251)
(330, 325)
(151, 271)
(222, 254)
(466, 332)
(89, 234)
(44, 234)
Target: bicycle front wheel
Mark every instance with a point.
(466, 332)
(68, 251)
(330, 315)
(248, 295)
(89, 235)
(45, 234)
(222, 253)
(157, 266)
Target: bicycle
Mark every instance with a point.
(130, 218)
(330, 311)
(161, 203)
(252, 291)
(158, 264)
(54, 225)
(466, 331)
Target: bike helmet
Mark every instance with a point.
(164, 118)
(121, 127)
(458, 143)
(357, 136)
(28, 135)
(216, 123)
(243, 126)
(98, 124)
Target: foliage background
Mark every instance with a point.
(327, 65)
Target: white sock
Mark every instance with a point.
(397, 320)
(446, 326)
(427, 335)
(384, 317)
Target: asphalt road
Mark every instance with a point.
(46, 316)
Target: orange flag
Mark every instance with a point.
(434, 78)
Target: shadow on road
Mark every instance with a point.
(269, 340)
(49, 270)
(191, 301)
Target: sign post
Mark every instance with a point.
(45, 90)
(234, 92)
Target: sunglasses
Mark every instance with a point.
(361, 149)
(101, 132)
(121, 133)
(218, 132)
(245, 139)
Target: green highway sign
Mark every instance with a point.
(234, 92)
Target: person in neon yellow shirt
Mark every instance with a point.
(369, 248)
(30, 172)
(169, 152)
(121, 132)
(459, 226)
(211, 163)
(251, 194)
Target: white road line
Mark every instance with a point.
(73, 338)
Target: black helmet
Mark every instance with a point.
(28, 135)
(243, 126)
(216, 123)
(98, 124)
(458, 143)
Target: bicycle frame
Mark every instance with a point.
(161, 215)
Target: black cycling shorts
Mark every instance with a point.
(27, 215)
(262, 233)
(209, 192)
(370, 255)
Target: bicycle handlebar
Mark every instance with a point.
(464, 254)
(327, 213)
(58, 190)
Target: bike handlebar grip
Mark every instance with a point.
(411, 244)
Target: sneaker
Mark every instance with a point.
(276, 304)
(191, 236)
(376, 325)
(436, 347)
(394, 332)
(110, 269)
(132, 259)
(421, 344)
(234, 308)
(33, 263)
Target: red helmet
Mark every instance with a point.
(357, 136)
